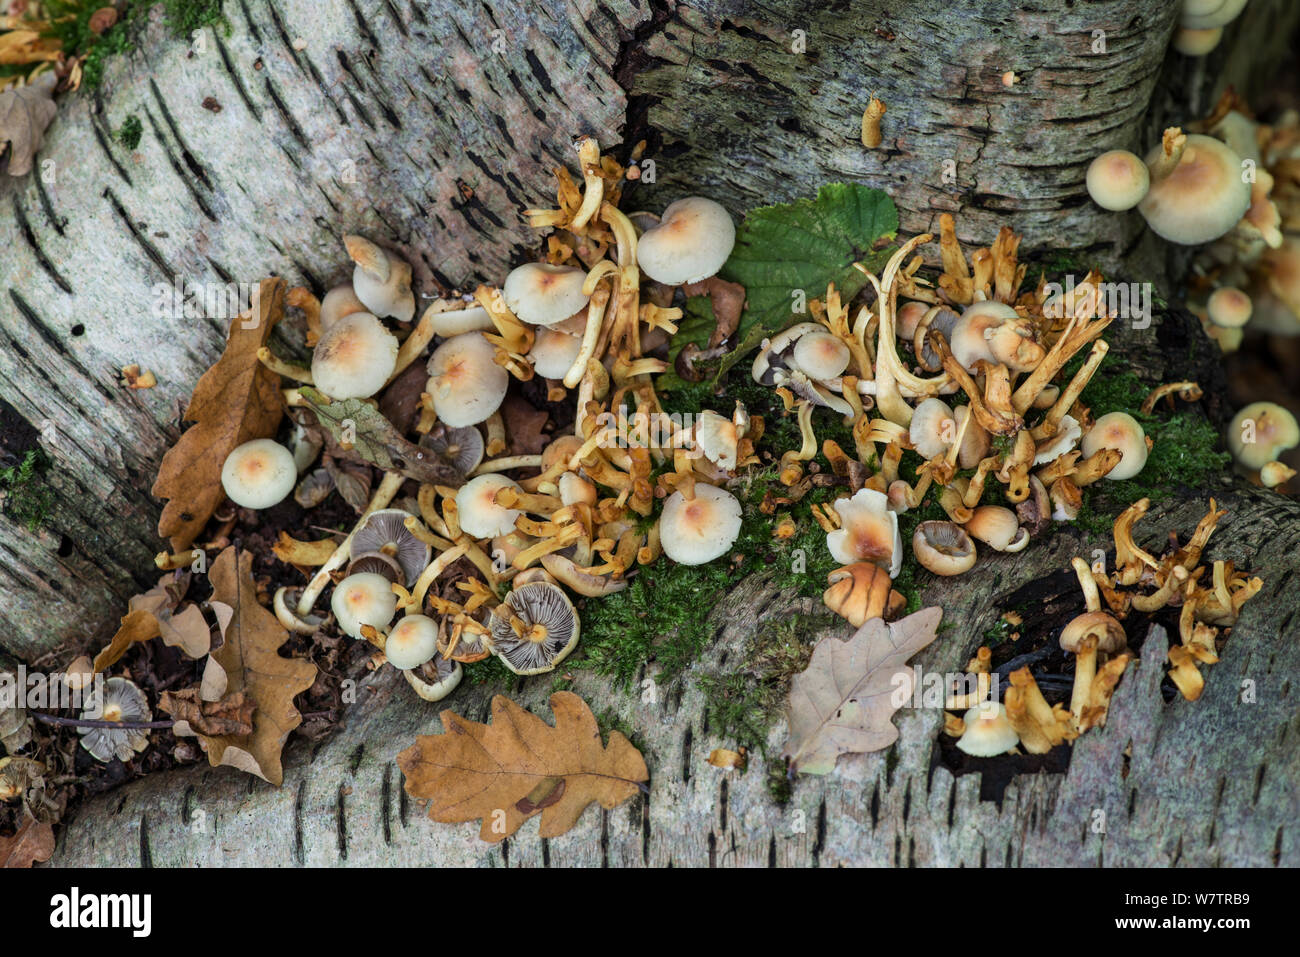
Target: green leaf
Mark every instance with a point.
(364, 432)
(696, 325)
(806, 245)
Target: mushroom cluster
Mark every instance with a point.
(979, 405)
(440, 574)
(1201, 23)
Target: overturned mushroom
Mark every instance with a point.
(534, 629)
(862, 591)
(381, 280)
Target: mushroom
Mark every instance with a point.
(1202, 197)
(380, 280)
(1190, 42)
(534, 628)
(821, 355)
(338, 302)
(354, 357)
(376, 563)
(564, 570)
(465, 382)
(691, 242)
(1228, 308)
(117, 700)
(461, 448)
(862, 591)
(1068, 432)
(943, 547)
(1118, 180)
(553, 353)
(868, 532)
(541, 294)
(997, 527)
(385, 531)
(698, 530)
(971, 335)
(933, 428)
(987, 731)
(1122, 432)
(1087, 635)
(1203, 14)
(975, 441)
(435, 678)
(364, 598)
(259, 474)
(476, 505)
(717, 439)
(1260, 432)
(412, 642)
(455, 317)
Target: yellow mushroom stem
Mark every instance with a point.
(303, 299)
(507, 463)
(983, 683)
(512, 335)
(373, 635)
(598, 307)
(1187, 391)
(1077, 334)
(430, 574)
(1085, 669)
(428, 415)
(496, 434)
(427, 499)
(1172, 143)
(1032, 737)
(388, 488)
(168, 562)
(282, 368)
(1048, 426)
(594, 192)
(413, 345)
(1036, 705)
(652, 549)
(1174, 581)
(657, 317)
(533, 553)
(421, 531)
(1190, 554)
(450, 515)
(1103, 687)
(1096, 466)
(1082, 571)
(950, 500)
(1063, 465)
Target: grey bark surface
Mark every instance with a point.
(428, 127)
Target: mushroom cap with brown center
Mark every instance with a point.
(1228, 308)
(553, 353)
(549, 623)
(1108, 632)
(821, 355)
(339, 302)
(259, 474)
(1118, 180)
(943, 547)
(541, 294)
(698, 530)
(354, 357)
(868, 532)
(1118, 430)
(465, 382)
(933, 428)
(988, 731)
(364, 598)
(477, 508)
(691, 242)
(1260, 432)
(969, 340)
(1202, 198)
(412, 642)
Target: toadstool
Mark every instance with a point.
(364, 598)
(380, 280)
(465, 382)
(259, 474)
(868, 532)
(988, 731)
(1120, 431)
(354, 357)
(698, 530)
(534, 628)
(1118, 180)
(943, 547)
(693, 239)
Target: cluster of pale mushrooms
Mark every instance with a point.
(1208, 606)
(577, 518)
(1231, 185)
(976, 334)
(1201, 23)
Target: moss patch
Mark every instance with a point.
(26, 498)
(129, 133)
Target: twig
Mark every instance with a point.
(93, 723)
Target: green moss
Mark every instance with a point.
(186, 16)
(27, 499)
(128, 134)
(490, 671)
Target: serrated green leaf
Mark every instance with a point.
(805, 245)
(367, 434)
(695, 326)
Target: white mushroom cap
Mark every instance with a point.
(465, 382)
(1202, 198)
(363, 599)
(692, 242)
(553, 353)
(868, 532)
(541, 294)
(717, 438)
(1260, 432)
(1229, 308)
(698, 530)
(354, 357)
(339, 302)
(997, 527)
(970, 336)
(1191, 42)
(575, 489)
(1203, 14)
(908, 317)
(479, 513)
(943, 547)
(412, 642)
(381, 280)
(1118, 430)
(1118, 179)
(933, 428)
(259, 474)
(1068, 433)
(821, 355)
(988, 731)
(448, 322)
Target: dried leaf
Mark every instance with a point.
(507, 771)
(249, 657)
(359, 427)
(399, 403)
(136, 626)
(232, 714)
(235, 401)
(524, 426)
(33, 842)
(188, 630)
(352, 479)
(843, 703)
(314, 488)
(25, 112)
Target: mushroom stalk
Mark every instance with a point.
(280, 367)
(431, 571)
(509, 462)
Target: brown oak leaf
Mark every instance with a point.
(25, 112)
(232, 714)
(34, 841)
(844, 701)
(252, 665)
(136, 626)
(235, 401)
(518, 766)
